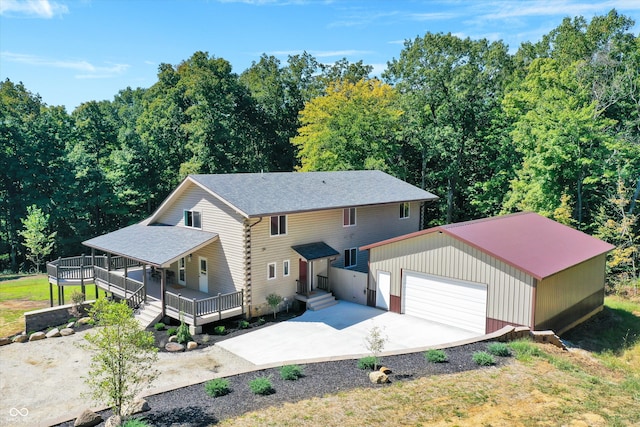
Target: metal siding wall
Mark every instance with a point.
(563, 290)
(509, 290)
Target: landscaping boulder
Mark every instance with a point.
(54, 333)
(174, 347)
(87, 419)
(21, 338)
(66, 332)
(138, 406)
(5, 341)
(71, 324)
(113, 421)
(385, 370)
(378, 377)
(36, 336)
(173, 338)
(84, 321)
(192, 345)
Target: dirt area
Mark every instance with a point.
(10, 327)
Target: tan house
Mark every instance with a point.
(520, 269)
(219, 244)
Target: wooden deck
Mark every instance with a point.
(181, 303)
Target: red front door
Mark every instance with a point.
(303, 274)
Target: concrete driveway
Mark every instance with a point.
(337, 332)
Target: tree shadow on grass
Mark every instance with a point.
(612, 329)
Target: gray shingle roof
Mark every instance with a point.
(152, 244)
(316, 250)
(258, 194)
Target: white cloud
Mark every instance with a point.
(515, 9)
(320, 53)
(437, 16)
(88, 70)
(36, 8)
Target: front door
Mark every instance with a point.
(203, 275)
(303, 275)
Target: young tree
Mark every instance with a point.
(274, 301)
(123, 358)
(39, 244)
(375, 342)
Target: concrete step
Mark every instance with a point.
(325, 304)
(149, 314)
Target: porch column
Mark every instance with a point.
(163, 280)
(144, 280)
(82, 278)
(125, 279)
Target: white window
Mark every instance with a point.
(278, 225)
(349, 217)
(271, 270)
(192, 219)
(404, 210)
(350, 257)
(285, 267)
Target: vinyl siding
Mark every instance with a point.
(510, 291)
(373, 223)
(565, 290)
(225, 255)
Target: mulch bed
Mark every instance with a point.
(192, 407)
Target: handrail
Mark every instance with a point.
(200, 307)
(323, 283)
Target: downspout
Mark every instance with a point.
(247, 264)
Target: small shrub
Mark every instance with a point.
(525, 350)
(291, 372)
(220, 330)
(483, 358)
(71, 319)
(261, 385)
(217, 387)
(436, 356)
(172, 331)
(135, 422)
(183, 334)
(261, 321)
(243, 324)
(274, 301)
(159, 326)
(368, 362)
(499, 349)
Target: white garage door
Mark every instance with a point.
(447, 301)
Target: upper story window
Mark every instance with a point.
(404, 210)
(192, 219)
(278, 225)
(349, 217)
(350, 257)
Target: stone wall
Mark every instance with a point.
(39, 320)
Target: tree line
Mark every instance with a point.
(553, 128)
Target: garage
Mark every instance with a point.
(436, 298)
(519, 269)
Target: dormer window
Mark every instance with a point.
(192, 219)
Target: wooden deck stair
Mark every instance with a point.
(149, 313)
(320, 301)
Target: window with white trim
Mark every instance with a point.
(285, 267)
(350, 257)
(271, 270)
(192, 219)
(182, 276)
(349, 217)
(404, 210)
(278, 225)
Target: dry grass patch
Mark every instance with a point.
(18, 296)
(558, 388)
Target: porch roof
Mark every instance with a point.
(316, 250)
(158, 245)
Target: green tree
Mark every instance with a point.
(451, 90)
(38, 242)
(122, 363)
(353, 126)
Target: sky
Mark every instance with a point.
(74, 51)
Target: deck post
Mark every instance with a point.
(82, 278)
(125, 279)
(195, 313)
(50, 295)
(163, 279)
(219, 307)
(144, 280)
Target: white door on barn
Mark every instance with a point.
(448, 301)
(383, 291)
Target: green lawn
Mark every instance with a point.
(18, 295)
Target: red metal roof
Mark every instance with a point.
(530, 242)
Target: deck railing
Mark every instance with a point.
(75, 268)
(194, 308)
(323, 283)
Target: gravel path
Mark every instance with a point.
(192, 407)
